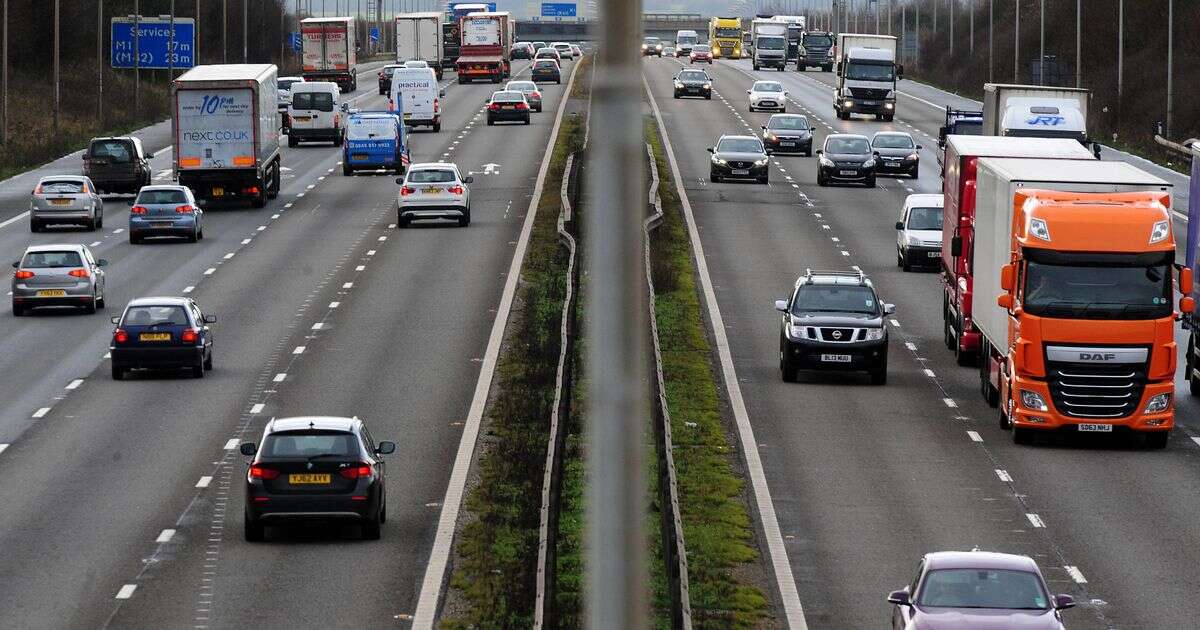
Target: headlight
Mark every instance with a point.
(678, 84)
(659, 46)
(913, 240)
(720, 161)
(768, 136)
(912, 156)
(888, 105)
(848, 103)
(874, 334)
(762, 162)
(707, 86)
(1159, 403)
(1033, 400)
(869, 163)
(1160, 232)
(826, 161)
(797, 332)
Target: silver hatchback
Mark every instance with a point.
(434, 190)
(58, 275)
(65, 200)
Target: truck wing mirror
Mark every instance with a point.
(900, 72)
(956, 246)
(1004, 301)
(1006, 277)
(899, 225)
(1096, 149)
(1185, 280)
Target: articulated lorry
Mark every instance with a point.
(225, 127)
(958, 221)
(483, 53)
(1074, 260)
(816, 49)
(329, 52)
(1037, 111)
(725, 37)
(419, 36)
(795, 26)
(768, 41)
(866, 76)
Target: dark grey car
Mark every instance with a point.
(58, 275)
(117, 164)
(846, 157)
(739, 157)
(693, 83)
(896, 152)
(65, 200)
(788, 133)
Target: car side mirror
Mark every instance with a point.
(248, 449)
(129, 203)
(1006, 277)
(1187, 304)
(385, 448)
(442, 93)
(16, 264)
(781, 306)
(709, 149)
(1063, 602)
(400, 181)
(785, 92)
(764, 127)
(888, 309)
(1096, 150)
(1004, 301)
(469, 179)
(956, 246)
(345, 107)
(899, 225)
(899, 597)
(116, 319)
(209, 319)
(919, 147)
(747, 91)
(875, 153)
(101, 262)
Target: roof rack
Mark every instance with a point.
(857, 275)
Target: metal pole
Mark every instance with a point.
(1078, 43)
(137, 61)
(617, 398)
(917, 30)
(196, 37)
(1042, 45)
(1017, 44)
(171, 47)
(224, 31)
(971, 8)
(57, 40)
(991, 32)
(100, 62)
(1170, 64)
(951, 45)
(246, 31)
(1120, 50)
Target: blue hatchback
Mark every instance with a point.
(375, 141)
(162, 333)
(165, 211)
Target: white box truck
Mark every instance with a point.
(866, 76)
(419, 36)
(225, 127)
(1037, 111)
(329, 52)
(768, 40)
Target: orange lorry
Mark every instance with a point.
(1078, 260)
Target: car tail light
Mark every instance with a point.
(407, 190)
(184, 209)
(138, 210)
(252, 190)
(522, 106)
(189, 336)
(84, 189)
(455, 190)
(38, 190)
(120, 336)
(536, 94)
(78, 273)
(23, 274)
(337, 119)
(359, 470)
(258, 471)
(380, 76)
(494, 106)
(437, 106)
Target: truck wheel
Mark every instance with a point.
(337, 142)
(1157, 440)
(755, 67)
(947, 338)
(962, 357)
(273, 187)
(827, 68)
(346, 170)
(786, 369)
(800, 68)
(889, 117)
(437, 126)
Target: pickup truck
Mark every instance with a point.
(117, 164)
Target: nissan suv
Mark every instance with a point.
(833, 321)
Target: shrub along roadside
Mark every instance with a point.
(717, 529)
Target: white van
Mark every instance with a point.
(313, 113)
(421, 100)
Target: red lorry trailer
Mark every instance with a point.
(958, 220)
(483, 52)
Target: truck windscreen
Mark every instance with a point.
(818, 41)
(1098, 291)
(685, 40)
(771, 43)
(869, 72)
(728, 32)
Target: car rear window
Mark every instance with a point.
(113, 150)
(48, 260)
(151, 315)
(431, 176)
(161, 196)
(508, 97)
(320, 101)
(309, 443)
(286, 84)
(371, 128)
(545, 64)
(62, 186)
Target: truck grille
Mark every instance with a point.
(1086, 390)
(871, 93)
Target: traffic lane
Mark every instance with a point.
(1125, 474)
(407, 301)
(891, 500)
(47, 349)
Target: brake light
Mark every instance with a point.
(407, 190)
(84, 189)
(258, 471)
(455, 190)
(494, 106)
(436, 106)
(337, 119)
(189, 336)
(252, 190)
(120, 336)
(536, 94)
(357, 471)
(38, 190)
(78, 273)
(23, 274)
(522, 106)
(138, 210)
(184, 209)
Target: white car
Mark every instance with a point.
(284, 85)
(416, 63)
(768, 95)
(564, 49)
(919, 232)
(433, 190)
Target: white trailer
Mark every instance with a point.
(329, 51)
(419, 36)
(1036, 111)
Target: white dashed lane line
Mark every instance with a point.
(3, 447)
(1075, 574)
(126, 591)
(204, 481)
(231, 444)
(929, 373)
(165, 536)
(210, 271)
(41, 413)
(333, 305)
(1035, 520)
(1003, 475)
(189, 288)
(279, 377)
(298, 350)
(950, 402)
(74, 384)
(318, 325)
(257, 408)
(974, 435)
(348, 285)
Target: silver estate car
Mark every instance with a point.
(65, 199)
(433, 190)
(58, 275)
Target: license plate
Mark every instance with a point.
(358, 158)
(870, 102)
(308, 478)
(218, 191)
(741, 171)
(61, 202)
(787, 144)
(432, 190)
(407, 115)
(507, 107)
(934, 254)
(1096, 428)
(835, 358)
(301, 117)
(52, 293)
(848, 172)
(160, 336)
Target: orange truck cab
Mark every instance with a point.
(1078, 260)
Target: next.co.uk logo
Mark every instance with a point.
(1046, 120)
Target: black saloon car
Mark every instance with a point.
(896, 152)
(545, 70)
(385, 77)
(315, 468)
(846, 157)
(739, 157)
(507, 105)
(788, 133)
(693, 83)
(162, 333)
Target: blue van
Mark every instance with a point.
(375, 141)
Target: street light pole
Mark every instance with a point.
(1042, 45)
(137, 61)
(991, 32)
(245, 31)
(56, 64)
(224, 31)
(1017, 44)
(1170, 63)
(1078, 43)
(100, 62)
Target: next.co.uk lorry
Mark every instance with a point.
(225, 127)
(329, 52)
(866, 76)
(1075, 269)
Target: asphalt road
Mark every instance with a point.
(122, 501)
(867, 479)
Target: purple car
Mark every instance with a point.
(978, 590)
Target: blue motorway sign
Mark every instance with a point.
(295, 42)
(558, 9)
(374, 33)
(154, 35)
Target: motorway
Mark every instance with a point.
(864, 479)
(122, 500)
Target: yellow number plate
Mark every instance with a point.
(52, 293)
(163, 336)
(433, 189)
(218, 192)
(61, 202)
(298, 480)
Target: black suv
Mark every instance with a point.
(833, 321)
(117, 164)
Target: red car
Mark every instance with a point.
(700, 54)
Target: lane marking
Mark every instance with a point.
(229, 255)
(975, 437)
(298, 350)
(360, 267)
(165, 536)
(3, 447)
(41, 413)
(1003, 475)
(950, 402)
(929, 373)
(279, 377)
(347, 285)
(126, 591)
(318, 325)
(910, 345)
(75, 383)
(370, 252)
(257, 408)
(189, 288)
(1035, 520)
(246, 241)
(231, 444)
(333, 305)
(1075, 574)
(204, 481)
(210, 271)
(15, 219)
